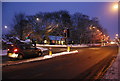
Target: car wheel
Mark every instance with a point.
(39, 53)
(20, 56)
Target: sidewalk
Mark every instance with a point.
(114, 71)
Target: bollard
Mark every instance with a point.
(50, 51)
(68, 49)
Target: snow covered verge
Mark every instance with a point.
(82, 45)
(114, 71)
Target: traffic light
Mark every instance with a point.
(28, 36)
(65, 31)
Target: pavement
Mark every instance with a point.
(113, 71)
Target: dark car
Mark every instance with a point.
(23, 50)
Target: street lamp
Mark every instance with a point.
(37, 19)
(6, 27)
(116, 35)
(98, 30)
(115, 6)
(94, 27)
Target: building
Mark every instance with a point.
(55, 40)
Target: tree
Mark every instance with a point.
(20, 25)
(54, 23)
(80, 24)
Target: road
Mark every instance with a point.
(88, 63)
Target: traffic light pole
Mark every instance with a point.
(66, 33)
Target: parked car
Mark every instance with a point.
(23, 50)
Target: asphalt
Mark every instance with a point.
(88, 63)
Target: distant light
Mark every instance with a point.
(116, 35)
(6, 27)
(37, 19)
(90, 28)
(98, 30)
(112, 42)
(45, 41)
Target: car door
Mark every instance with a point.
(27, 51)
(34, 50)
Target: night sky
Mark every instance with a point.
(108, 17)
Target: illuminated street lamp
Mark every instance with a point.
(115, 6)
(90, 28)
(37, 19)
(94, 27)
(116, 35)
(104, 35)
(6, 27)
(98, 30)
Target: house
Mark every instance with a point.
(55, 40)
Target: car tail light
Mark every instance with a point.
(15, 50)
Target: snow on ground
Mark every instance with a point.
(113, 71)
(59, 54)
(82, 45)
(43, 49)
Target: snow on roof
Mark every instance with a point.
(55, 37)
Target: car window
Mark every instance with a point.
(32, 47)
(24, 47)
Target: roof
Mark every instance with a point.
(55, 37)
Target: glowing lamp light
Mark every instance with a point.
(116, 35)
(115, 6)
(6, 27)
(37, 19)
